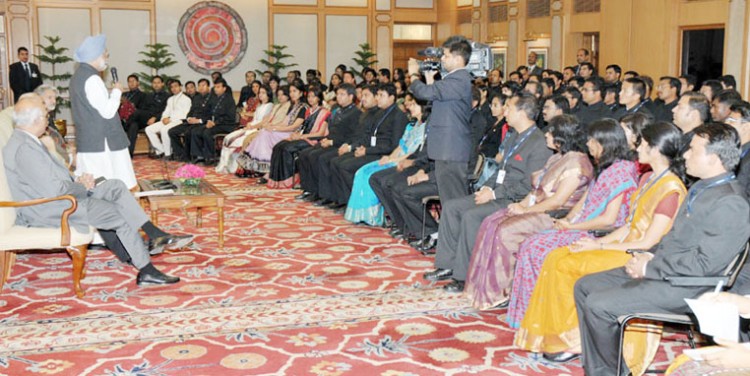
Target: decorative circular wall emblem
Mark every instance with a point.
(212, 36)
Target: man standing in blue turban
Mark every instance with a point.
(101, 142)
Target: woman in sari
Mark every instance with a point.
(633, 126)
(315, 127)
(233, 142)
(605, 205)
(329, 97)
(364, 205)
(248, 108)
(261, 147)
(551, 324)
(559, 185)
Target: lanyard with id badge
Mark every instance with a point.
(374, 137)
(501, 173)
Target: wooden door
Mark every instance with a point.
(403, 50)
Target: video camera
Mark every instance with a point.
(480, 61)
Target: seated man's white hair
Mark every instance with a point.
(25, 117)
(43, 88)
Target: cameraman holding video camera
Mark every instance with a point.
(450, 137)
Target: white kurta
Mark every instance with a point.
(110, 164)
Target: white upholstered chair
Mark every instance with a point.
(15, 238)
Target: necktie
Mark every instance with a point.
(26, 68)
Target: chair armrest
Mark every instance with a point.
(697, 281)
(64, 225)
(427, 199)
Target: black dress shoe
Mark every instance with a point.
(302, 196)
(322, 202)
(454, 286)
(428, 245)
(158, 245)
(312, 197)
(335, 206)
(561, 357)
(438, 275)
(262, 181)
(155, 278)
(340, 210)
(395, 232)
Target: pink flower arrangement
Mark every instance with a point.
(190, 171)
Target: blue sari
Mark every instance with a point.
(364, 205)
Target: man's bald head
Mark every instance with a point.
(28, 114)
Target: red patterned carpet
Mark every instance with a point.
(295, 291)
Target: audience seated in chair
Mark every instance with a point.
(149, 113)
(179, 136)
(219, 116)
(176, 111)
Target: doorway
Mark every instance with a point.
(403, 50)
(703, 52)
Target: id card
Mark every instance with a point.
(532, 200)
(500, 177)
(373, 141)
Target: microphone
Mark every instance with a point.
(113, 72)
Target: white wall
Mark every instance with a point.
(344, 34)
(72, 26)
(127, 31)
(254, 14)
(299, 32)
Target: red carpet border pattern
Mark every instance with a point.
(296, 290)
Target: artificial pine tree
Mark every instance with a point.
(364, 59)
(53, 55)
(158, 57)
(274, 61)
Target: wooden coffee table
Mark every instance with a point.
(204, 195)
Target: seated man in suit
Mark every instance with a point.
(178, 106)
(709, 229)
(380, 139)
(149, 112)
(522, 153)
(179, 136)
(33, 173)
(218, 117)
(342, 129)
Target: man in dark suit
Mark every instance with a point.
(343, 121)
(522, 153)
(149, 112)
(219, 116)
(632, 98)
(451, 143)
(709, 229)
(179, 136)
(669, 90)
(534, 69)
(595, 108)
(380, 139)
(24, 76)
(109, 206)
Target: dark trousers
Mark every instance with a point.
(452, 179)
(342, 175)
(457, 232)
(307, 165)
(602, 297)
(202, 140)
(282, 159)
(322, 168)
(383, 183)
(180, 139)
(410, 207)
(136, 122)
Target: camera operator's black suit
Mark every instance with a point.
(450, 135)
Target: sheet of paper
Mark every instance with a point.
(161, 192)
(719, 320)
